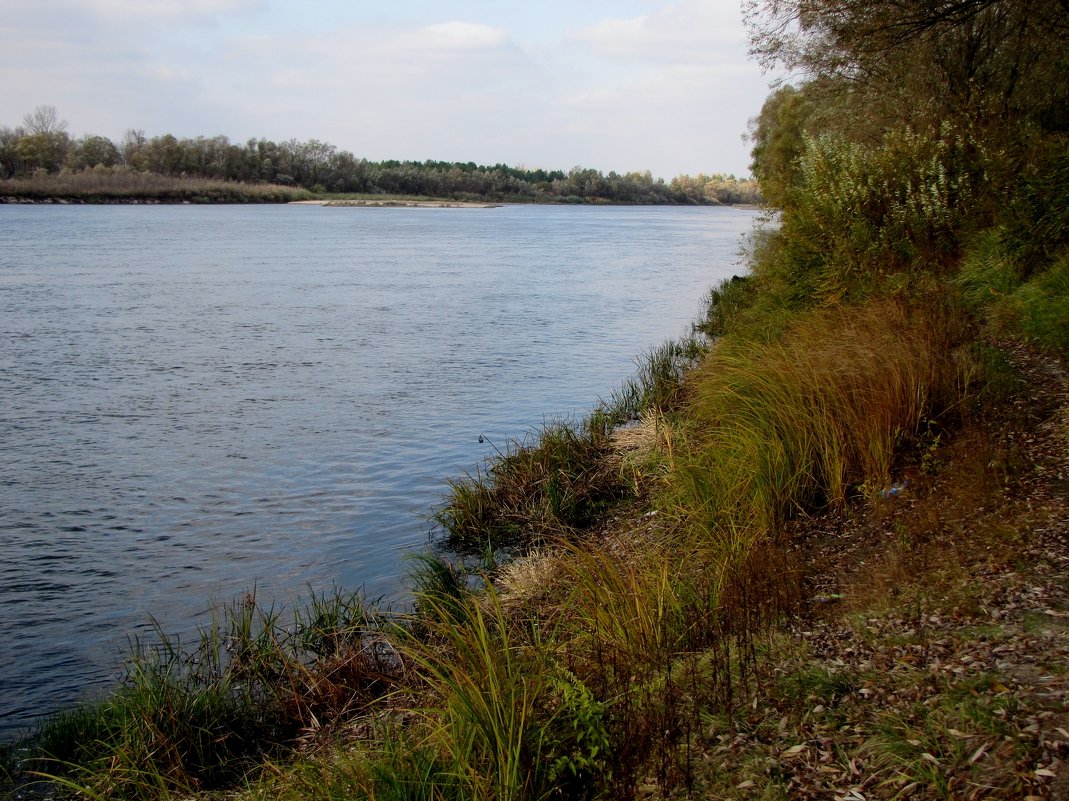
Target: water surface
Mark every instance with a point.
(199, 401)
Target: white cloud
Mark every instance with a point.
(691, 31)
(661, 84)
(123, 11)
(460, 36)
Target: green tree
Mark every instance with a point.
(45, 141)
(778, 136)
(42, 151)
(982, 64)
(10, 161)
(163, 154)
(90, 151)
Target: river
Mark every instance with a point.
(199, 401)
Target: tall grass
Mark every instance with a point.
(795, 424)
(485, 682)
(197, 718)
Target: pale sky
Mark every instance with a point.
(659, 85)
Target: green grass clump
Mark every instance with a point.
(189, 719)
(1026, 299)
(657, 383)
(549, 485)
(501, 718)
(1039, 309)
(724, 305)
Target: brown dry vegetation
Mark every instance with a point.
(118, 185)
(929, 657)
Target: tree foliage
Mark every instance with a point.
(917, 123)
(980, 63)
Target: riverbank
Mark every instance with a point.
(398, 203)
(910, 637)
(828, 562)
(121, 185)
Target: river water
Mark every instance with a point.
(199, 401)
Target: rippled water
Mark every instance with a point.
(197, 401)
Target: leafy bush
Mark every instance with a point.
(862, 212)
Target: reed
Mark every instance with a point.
(117, 185)
(484, 681)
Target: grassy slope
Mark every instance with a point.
(926, 659)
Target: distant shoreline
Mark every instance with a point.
(98, 200)
(393, 204)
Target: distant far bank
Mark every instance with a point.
(122, 185)
(399, 203)
(40, 161)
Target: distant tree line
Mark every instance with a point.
(42, 146)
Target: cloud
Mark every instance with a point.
(460, 36)
(661, 85)
(690, 31)
(126, 10)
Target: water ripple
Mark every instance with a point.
(198, 401)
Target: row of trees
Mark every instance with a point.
(42, 145)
